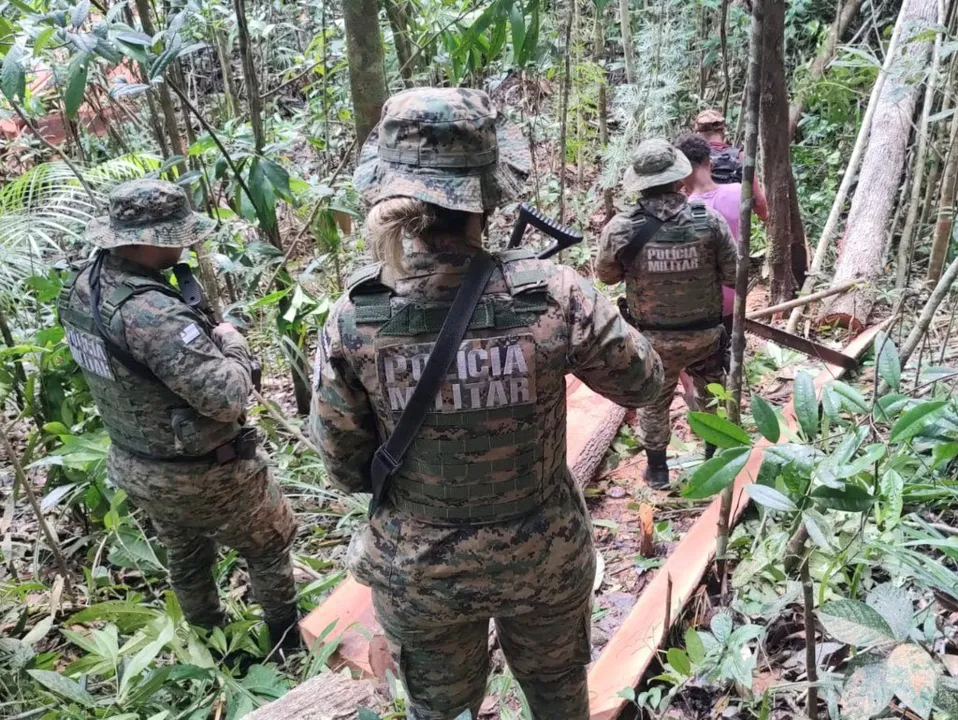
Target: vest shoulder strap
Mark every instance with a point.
(644, 227)
(370, 297)
(130, 288)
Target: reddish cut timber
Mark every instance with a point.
(591, 420)
(631, 649)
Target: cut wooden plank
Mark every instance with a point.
(591, 424)
(632, 648)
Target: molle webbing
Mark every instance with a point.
(498, 512)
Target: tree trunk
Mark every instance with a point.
(226, 68)
(399, 22)
(942, 236)
(906, 244)
(776, 157)
(364, 48)
(862, 252)
(564, 113)
(843, 20)
(166, 100)
(848, 177)
(598, 53)
(628, 48)
(752, 105)
(249, 75)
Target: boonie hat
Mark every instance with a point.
(709, 120)
(656, 162)
(445, 146)
(149, 212)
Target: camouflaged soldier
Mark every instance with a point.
(482, 520)
(674, 270)
(172, 391)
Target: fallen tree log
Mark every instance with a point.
(862, 252)
(328, 696)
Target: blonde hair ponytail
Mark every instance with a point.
(393, 220)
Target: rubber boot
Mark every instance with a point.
(709, 451)
(285, 635)
(657, 471)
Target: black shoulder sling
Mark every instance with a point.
(631, 251)
(389, 457)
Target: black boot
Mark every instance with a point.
(709, 451)
(285, 635)
(657, 471)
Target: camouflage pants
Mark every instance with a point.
(194, 509)
(701, 355)
(444, 666)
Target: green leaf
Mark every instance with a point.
(531, 43)
(694, 646)
(946, 695)
(888, 406)
(873, 454)
(718, 431)
(278, 178)
(766, 419)
(76, 85)
(770, 497)
(13, 80)
(893, 605)
(831, 402)
(264, 199)
(679, 661)
(892, 490)
(851, 498)
(40, 43)
(366, 714)
(163, 61)
(866, 693)
(913, 676)
(806, 404)
(63, 686)
(714, 475)
(518, 30)
(80, 13)
(853, 399)
(855, 623)
(944, 453)
(115, 610)
(889, 364)
(721, 627)
(913, 421)
(819, 529)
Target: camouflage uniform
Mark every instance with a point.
(175, 419)
(673, 286)
(483, 519)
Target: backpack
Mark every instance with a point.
(726, 166)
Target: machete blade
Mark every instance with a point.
(806, 347)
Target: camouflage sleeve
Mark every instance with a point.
(169, 338)
(726, 248)
(615, 236)
(606, 353)
(342, 423)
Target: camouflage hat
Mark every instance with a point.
(445, 146)
(656, 162)
(709, 120)
(149, 212)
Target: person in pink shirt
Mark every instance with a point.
(723, 198)
(726, 160)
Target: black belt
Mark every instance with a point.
(709, 324)
(241, 447)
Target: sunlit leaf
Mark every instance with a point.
(717, 431)
(855, 623)
(63, 686)
(770, 498)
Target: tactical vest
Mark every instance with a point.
(141, 414)
(476, 458)
(674, 283)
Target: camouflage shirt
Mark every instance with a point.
(676, 213)
(507, 563)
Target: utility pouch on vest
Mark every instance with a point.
(389, 457)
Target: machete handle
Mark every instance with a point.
(563, 235)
